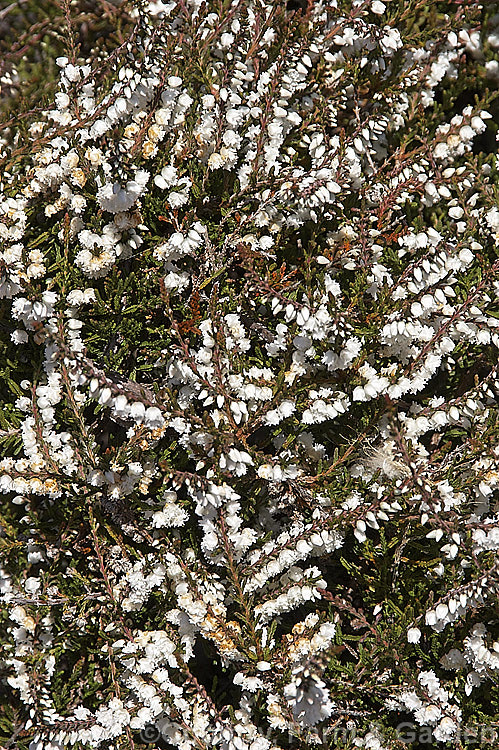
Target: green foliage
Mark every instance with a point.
(382, 582)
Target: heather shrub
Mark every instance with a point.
(248, 375)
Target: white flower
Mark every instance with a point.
(413, 635)
(166, 178)
(411, 700)
(216, 161)
(115, 198)
(174, 82)
(454, 659)
(19, 336)
(446, 730)
(153, 417)
(309, 699)
(172, 515)
(180, 244)
(236, 461)
(252, 684)
(428, 714)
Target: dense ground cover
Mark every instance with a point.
(248, 375)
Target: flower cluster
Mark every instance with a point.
(248, 289)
